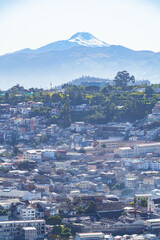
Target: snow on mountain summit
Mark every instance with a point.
(82, 35)
(87, 39)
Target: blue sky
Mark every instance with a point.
(8, 3)
(33, 23)
(153, 2)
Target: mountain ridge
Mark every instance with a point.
(78, 39)
(62, 61)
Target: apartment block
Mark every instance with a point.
(9, 230)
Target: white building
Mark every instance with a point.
(86, 185)
(29, 233)
(50, 153)
(51, 129)
(147, 148)
(37, 104)
(45, 168)
(74, 193)
(78, 126)
(27, 213)
(90, 236)
(130, 181)
(153, 224)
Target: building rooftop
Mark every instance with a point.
(143, 195)
(22, 221)
(149, 144)
(12, 193)
(153, 220)
(29, 229)
(94, 235)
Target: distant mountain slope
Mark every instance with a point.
(78, 39)
(82, 54)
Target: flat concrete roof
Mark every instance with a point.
(23, 221)
(91, 234)
(149, 144)
(29, 229)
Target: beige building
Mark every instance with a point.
(90, 236)
(138, 149)
(30, 155)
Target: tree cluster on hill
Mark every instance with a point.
(58, 229)
(119, 102)
(90, 209)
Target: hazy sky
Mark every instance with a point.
(32, 23)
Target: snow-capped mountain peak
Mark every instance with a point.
(87, 39)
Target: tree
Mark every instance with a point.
(25, 165)
(54, 220)
(66, 232)
(56, 97)
(98, 99)
(61, 232)
(144, 202)
(57, 230)
(43, 138)
(15, 151)
(13, 139)
(92, 88)
(14, 90)
(6, 96)
(96, 118)
(82, 150)
(79, 210)
(75, 94)
(118, 186)
(47, 98)
(149, 91)
(4, 169)
(69, 204)
(134, 110)
(103, 145)
(65, 113)
(3, 212)
(91, 208)
(123, 78)
(107, 89)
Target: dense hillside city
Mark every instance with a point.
(81, 161)
(79, 120)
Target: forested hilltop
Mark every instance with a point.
(119, 102)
